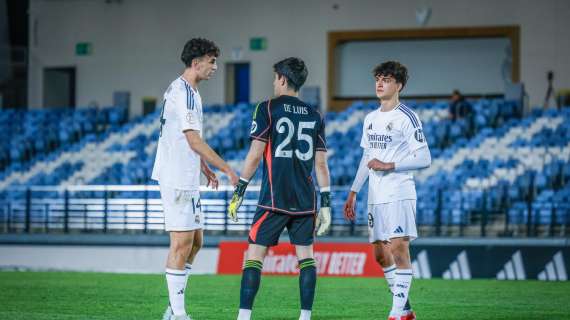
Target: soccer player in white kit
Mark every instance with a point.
(394, 145)
(181, 156)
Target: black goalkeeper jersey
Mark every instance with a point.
(293, 131)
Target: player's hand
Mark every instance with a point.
(378, 165)
(237, 199)
(324, 217)
(211, 176)
(234, 178)
(349, 206)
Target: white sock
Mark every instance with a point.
(305, 315)
(187, 268)
(176, 281)
(402, 284)
(244, 314)
(390, 274)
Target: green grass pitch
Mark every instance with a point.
(70, 295)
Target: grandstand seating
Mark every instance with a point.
(494, 162)
(34, 136)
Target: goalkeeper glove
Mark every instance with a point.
(237, 198)
(324, 217)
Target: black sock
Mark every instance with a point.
(307, 282)
(250, 280)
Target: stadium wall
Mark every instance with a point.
(447, 258)
(136, 44)
(119, 259)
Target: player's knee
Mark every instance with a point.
(399, 259)
(401, 256)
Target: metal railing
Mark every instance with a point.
(138, 209)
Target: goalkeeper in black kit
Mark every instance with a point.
(290, 137)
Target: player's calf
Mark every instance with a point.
(176, 273)
(403, 276)
(250, 280)
(307, 284)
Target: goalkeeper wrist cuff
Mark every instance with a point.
(241, 186)
(325, 199)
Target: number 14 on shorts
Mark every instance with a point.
(185, 196)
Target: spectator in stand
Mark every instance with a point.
(459, 108)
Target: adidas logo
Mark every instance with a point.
(399, 230)
(370, 127)
(458, 269)
(180, 292)
(400, 295)
(554, 270)
(513, 269)
(421, 266)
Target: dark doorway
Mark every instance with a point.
(237, 82)
(59, 87)
(14, 53)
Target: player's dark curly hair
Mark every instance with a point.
(294, 70)
(394, 69)
(196, 48)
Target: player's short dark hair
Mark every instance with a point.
(196, 48)
(294, 70)
(394, 69)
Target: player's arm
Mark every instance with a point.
(415, 160)
(359, 180)
(323, 179)
(419, 159)
(252, 159)
(361, 174)
(259, 134)
(209, 155)
(189, 122)
(251, 162)
(209, 174)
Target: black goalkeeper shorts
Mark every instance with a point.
(268, 225)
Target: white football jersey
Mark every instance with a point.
(390, 137)
(176, 165)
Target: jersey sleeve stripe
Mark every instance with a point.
(255, 111)
(323, 140)
(414, 116)
(188, 97)
(408, 113)
(261, 134)
(259, 138)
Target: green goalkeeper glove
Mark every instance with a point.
(237, 198)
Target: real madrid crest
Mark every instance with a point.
(389, 126)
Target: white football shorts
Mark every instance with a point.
(182, 209)
(392, 220)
